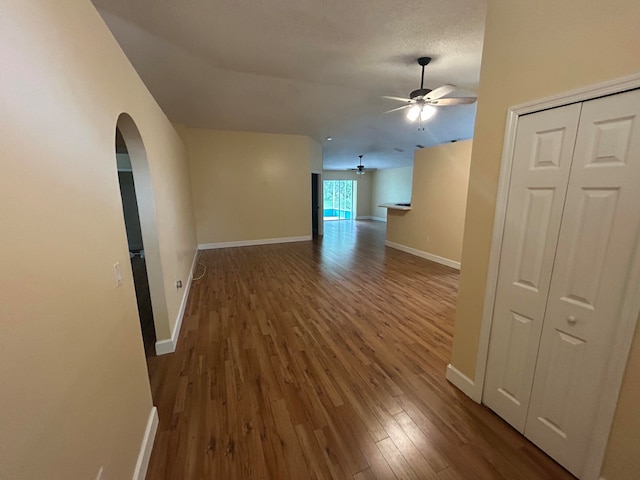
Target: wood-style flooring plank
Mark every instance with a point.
(325, 360)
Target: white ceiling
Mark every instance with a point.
(309, 67)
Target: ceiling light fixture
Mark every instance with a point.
(423, 102)
(328, 139)
(422, 111)
(413, 113)
(427, 112)
(360, 169)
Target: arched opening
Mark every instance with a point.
(139, 216)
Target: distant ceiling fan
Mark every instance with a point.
(422, 102)
(360, 170)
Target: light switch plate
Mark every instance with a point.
(117, 273)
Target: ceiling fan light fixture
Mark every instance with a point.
(421, 111)
(422, 102)
(413, 113)
(360, 167)
(427, 112)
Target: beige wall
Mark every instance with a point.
(363, 199)
(391, 185)
(75, 394)
(435, 222)
(533, 50)
(250, 186)
(315, 156)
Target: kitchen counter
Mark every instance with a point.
(396, 206)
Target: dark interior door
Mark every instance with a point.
(315, 204)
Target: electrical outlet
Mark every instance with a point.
(99, 477)
(117, 273)
(179, 284)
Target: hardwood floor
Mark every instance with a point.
(325, 359)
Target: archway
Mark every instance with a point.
(146, 265)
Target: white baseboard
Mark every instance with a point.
(146, 446)
(379, 219)
(248, 243)
(165, 346)
(169, 346)
(364, 217)
(462, 382)
(420, 253)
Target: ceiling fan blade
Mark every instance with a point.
(445, 102)
(440, 92)
(396, 109)
(408, 100)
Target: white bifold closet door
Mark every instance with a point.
(540, 171)
(572, 255)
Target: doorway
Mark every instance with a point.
(315, 204)
(136, 244)
(339, 199)
(130, 140)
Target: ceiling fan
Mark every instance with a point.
(422, 102)
(360, 170)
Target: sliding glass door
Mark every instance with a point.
(339, 199)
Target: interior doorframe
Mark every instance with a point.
(629, 310)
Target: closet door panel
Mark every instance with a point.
(598, 238)
(541, 165)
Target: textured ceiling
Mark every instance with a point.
(308, 67)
